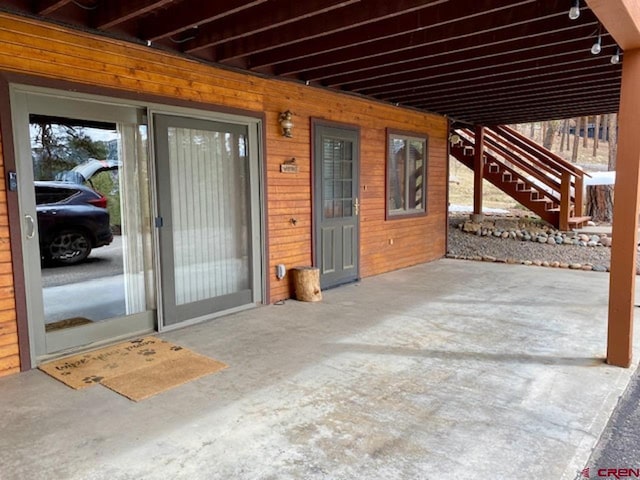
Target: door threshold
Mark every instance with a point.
(91, 346)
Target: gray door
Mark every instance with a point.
(336, 157)
(205, 217)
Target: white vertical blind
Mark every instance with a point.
(132, 215)
(209, 188)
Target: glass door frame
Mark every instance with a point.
(27, 100)
(254, 127)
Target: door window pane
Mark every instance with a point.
(337, 188)
(210, 212)
(93, 219)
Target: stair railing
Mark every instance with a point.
(561, 181)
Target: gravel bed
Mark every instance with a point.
(470, 246)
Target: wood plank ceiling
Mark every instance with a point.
(476, 61)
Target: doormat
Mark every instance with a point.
(66, 323)
(137, 369)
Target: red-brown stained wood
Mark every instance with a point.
(30, 47)
(9, 360)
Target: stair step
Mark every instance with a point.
(547, 203)
(578, 222)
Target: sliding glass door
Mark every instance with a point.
(208, 217)
(83, 179)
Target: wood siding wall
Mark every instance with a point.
(42, 50)
(9, 359)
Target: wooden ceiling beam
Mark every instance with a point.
(505, 88)
(471, 65)
(502, 74)
(194, 13)
(591, 92)
(541, 116)
(358, 25)
(407, 33)
(479, 44)
(550, 61)
(264, 17)
(47, 7)
(112, 13)
(553, 112)
(443, 102)
(621, 18)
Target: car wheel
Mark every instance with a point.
(69, 247)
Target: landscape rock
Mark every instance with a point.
(471, 227)
(529, 247)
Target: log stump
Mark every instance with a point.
(306, 284)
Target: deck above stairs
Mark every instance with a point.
(546, 184)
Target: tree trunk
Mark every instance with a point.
(600, 203)
(549, 133)
(532, 135)
(596, 135)
(585, 123)
(576, 142)
(612, 128)
(565, 131)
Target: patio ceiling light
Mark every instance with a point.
(574, 12)
(615, 58)
(596, 48)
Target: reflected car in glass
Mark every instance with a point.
(72, 220)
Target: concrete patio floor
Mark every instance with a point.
(448, 370)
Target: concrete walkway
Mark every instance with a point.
(448, 370)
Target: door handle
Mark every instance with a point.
(356, 206)
(31, 227)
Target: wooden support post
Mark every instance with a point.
(578, 195)
(478, 170)
(622, 280)
(565, 200)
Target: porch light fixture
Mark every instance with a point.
(574, 12)
(615, 58)
(596, 48)
(286, 123)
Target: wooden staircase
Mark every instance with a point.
(538, 179)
